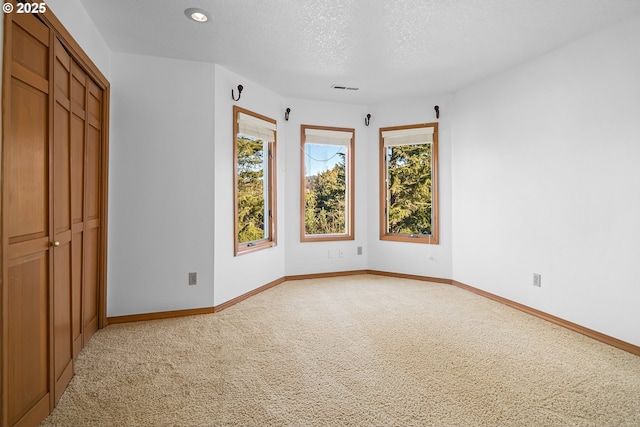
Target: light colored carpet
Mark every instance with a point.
(351, 351)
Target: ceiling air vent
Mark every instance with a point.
(337, 86)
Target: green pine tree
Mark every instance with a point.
(409, 189)
(325, 201)
(251, 182)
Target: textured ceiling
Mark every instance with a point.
(387, 48)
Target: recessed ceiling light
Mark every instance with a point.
(197, 15)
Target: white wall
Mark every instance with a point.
(77, 21)
(313, 257)
(402, 257)
(235, 276)
(161, 185)
(546, 179)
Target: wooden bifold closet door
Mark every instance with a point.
(27, 257)
(52, 199)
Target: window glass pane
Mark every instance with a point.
(325, 195)
(253, 200)
(409, 183)
(254, 148)
(326, 186)
(409, 189)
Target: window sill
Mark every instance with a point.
(247, 248)
(428, 240)
(326, 237)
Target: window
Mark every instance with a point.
(326, 183)
(254, 152)
(408, 183)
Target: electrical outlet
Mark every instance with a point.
(359, 250)
(340, 253)
(193, 278)
(537, 280)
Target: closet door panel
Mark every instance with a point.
(93, 176)
(77, 245)
(62, 140)
(27, 152)
(78, 135)
(78, 123)
(28, 331)
(63, 356)
(30, 46)
(26, 290)
(94, 114)
(90, 305)
(62, 291)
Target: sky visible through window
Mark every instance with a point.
(322, 157)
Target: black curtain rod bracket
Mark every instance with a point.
(239, 93)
